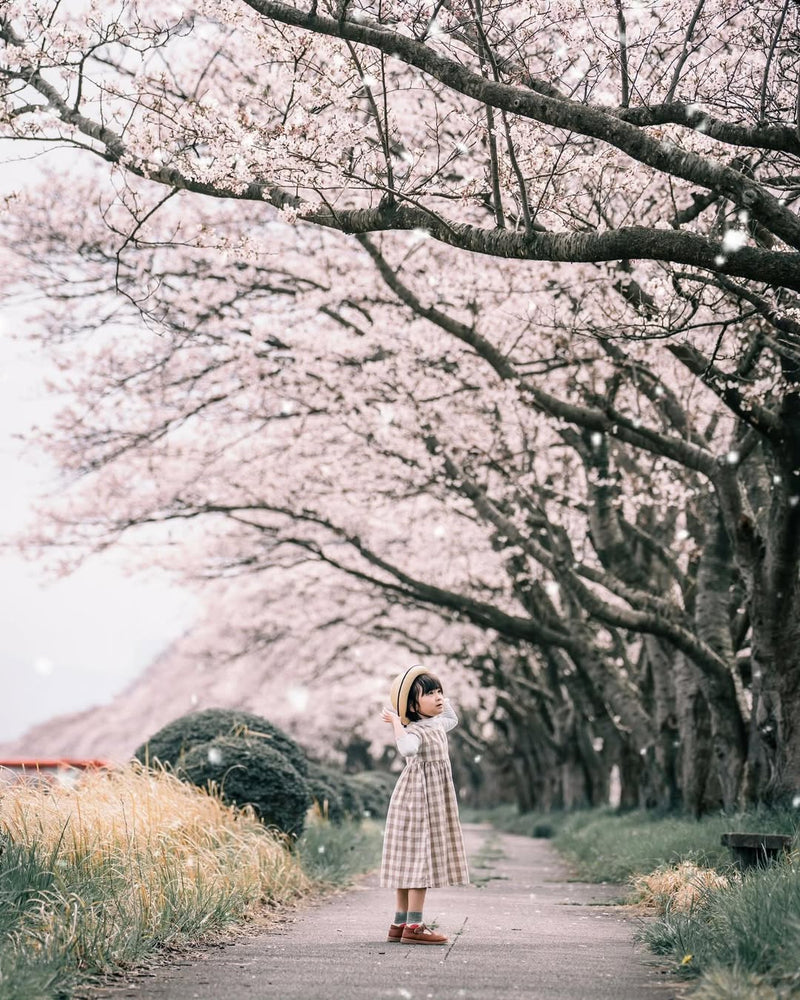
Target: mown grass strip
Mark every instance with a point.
(603, 845)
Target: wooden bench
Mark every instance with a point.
(756, 849)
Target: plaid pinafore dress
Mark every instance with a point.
(423, 846)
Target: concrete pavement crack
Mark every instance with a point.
(456, 936)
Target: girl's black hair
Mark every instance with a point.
(423, 684)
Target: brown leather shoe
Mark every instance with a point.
(395, 932)
(420, 934)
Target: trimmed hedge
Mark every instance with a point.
(323, 786)
(375, 789)
(353, 796)
(248, 771)
(338, 791)
(171, 743)
(253, 762)
(349, 793)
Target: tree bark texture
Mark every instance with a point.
(712, 616)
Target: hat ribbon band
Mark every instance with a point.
(402, 682)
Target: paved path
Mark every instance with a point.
(522, 930)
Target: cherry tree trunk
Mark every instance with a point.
(696, 773)
(595, 772)
(786, 786)
(712, 618)
(661, 787)
(776, 662)
(631, 769)
(532, 757)
(773, 543)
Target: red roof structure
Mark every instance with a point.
(51, 770)
(47, 763)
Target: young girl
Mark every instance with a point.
(423, 846)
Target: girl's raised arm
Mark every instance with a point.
(407, 743)
(448, 716)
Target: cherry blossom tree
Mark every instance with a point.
(328, 218)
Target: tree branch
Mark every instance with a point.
(560, 113)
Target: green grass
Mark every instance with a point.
(67, 918)
(741, 942)
(738, 984)
(605, 847)
(332, 855)
(26, 878)
(752, 926)
(95, 879)
(602, 845)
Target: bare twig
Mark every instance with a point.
(622, 30)
(768, 64)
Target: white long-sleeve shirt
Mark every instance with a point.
(408, 743)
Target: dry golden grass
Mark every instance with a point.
(135, 859)
(134, 809)
(133, 812)
(679, 888)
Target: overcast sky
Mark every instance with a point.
(75, 642)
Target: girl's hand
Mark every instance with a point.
(388, 715)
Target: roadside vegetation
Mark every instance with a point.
(96, 878)
(332, 854)
(738, 931)
(737, 934)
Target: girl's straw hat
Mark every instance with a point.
(401, 686)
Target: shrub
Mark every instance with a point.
(350, 795)
(375, 789)
(249, 772)
(342, 794)
(323, 787)
(181, 735)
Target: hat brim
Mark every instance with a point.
(401, 686)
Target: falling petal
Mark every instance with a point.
(734, 239)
